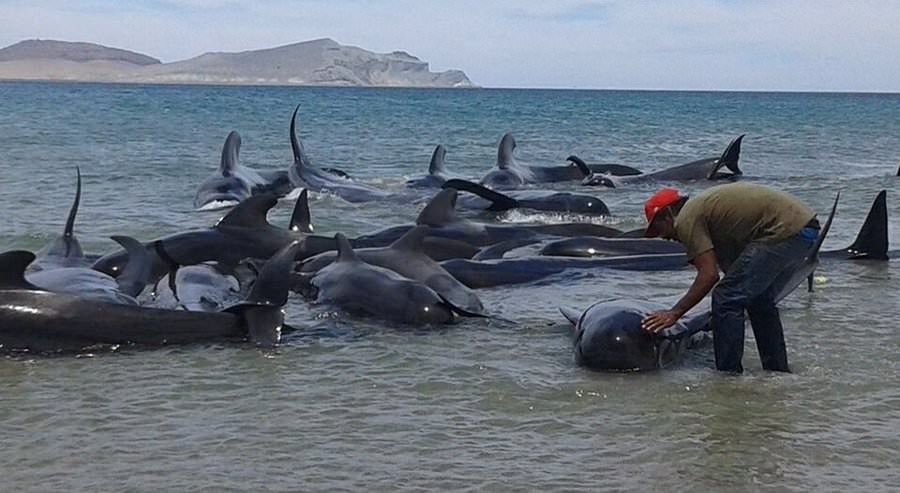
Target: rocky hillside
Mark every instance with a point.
(318, 62)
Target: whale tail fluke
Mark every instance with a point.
(137, 272)
(872, 241)
(729, 158)
(301, 219)
(12, 269)
(262, 311)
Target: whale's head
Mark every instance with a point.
(503, 179)
(616, 342)
(598, 180)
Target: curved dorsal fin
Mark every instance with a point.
(230, 152)
(345, 251)
(12, 269)
(505, 151)
(437, 160)
(790, 279)
(136, 273)
(580, 164)
(413, 240)
(570, 314)
(68, 232)
(251, 213)
(300, 219)
(440, 210)
(297, 146)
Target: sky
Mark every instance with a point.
(782, 45)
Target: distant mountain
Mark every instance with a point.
(37, 49)
(317, 62)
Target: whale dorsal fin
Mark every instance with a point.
(441, 209)
(499, 201)
(413, 240)
(789, 280)
(12, 269)
(872, 240)
(436, 166)
(300, 157)
(505, 152)
(230, 152)
(580, 164)
(136, 273)
(570, 314)
(69, 231)
(251, 213)
(344, 249)
(300, 219)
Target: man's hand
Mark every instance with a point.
(658, 321)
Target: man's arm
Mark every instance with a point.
(707, 277)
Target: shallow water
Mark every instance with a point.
(482, 405)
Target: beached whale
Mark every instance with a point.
(199, 288)
(440, 214)
(511, 175)
(406, 257)
(243, 233)
(539, 200)
(608, 336)
(478, 274)
(91, 284)
(436, 171)
(64, 250)
(233, 183)
(592, 246)
(702, 169)
(40, 321)
(303, 174)
(357, 287)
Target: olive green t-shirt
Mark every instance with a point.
(727, 218)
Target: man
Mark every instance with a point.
(757, 236)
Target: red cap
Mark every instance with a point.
(657, 202)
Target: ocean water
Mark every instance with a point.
(492, 405)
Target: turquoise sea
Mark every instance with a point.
(482, 405)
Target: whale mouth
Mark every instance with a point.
(218, 203)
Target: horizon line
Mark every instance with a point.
(475, 88)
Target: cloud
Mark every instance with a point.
(689, 44)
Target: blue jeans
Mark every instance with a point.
(750, 285)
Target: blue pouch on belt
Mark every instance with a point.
(809, 234)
